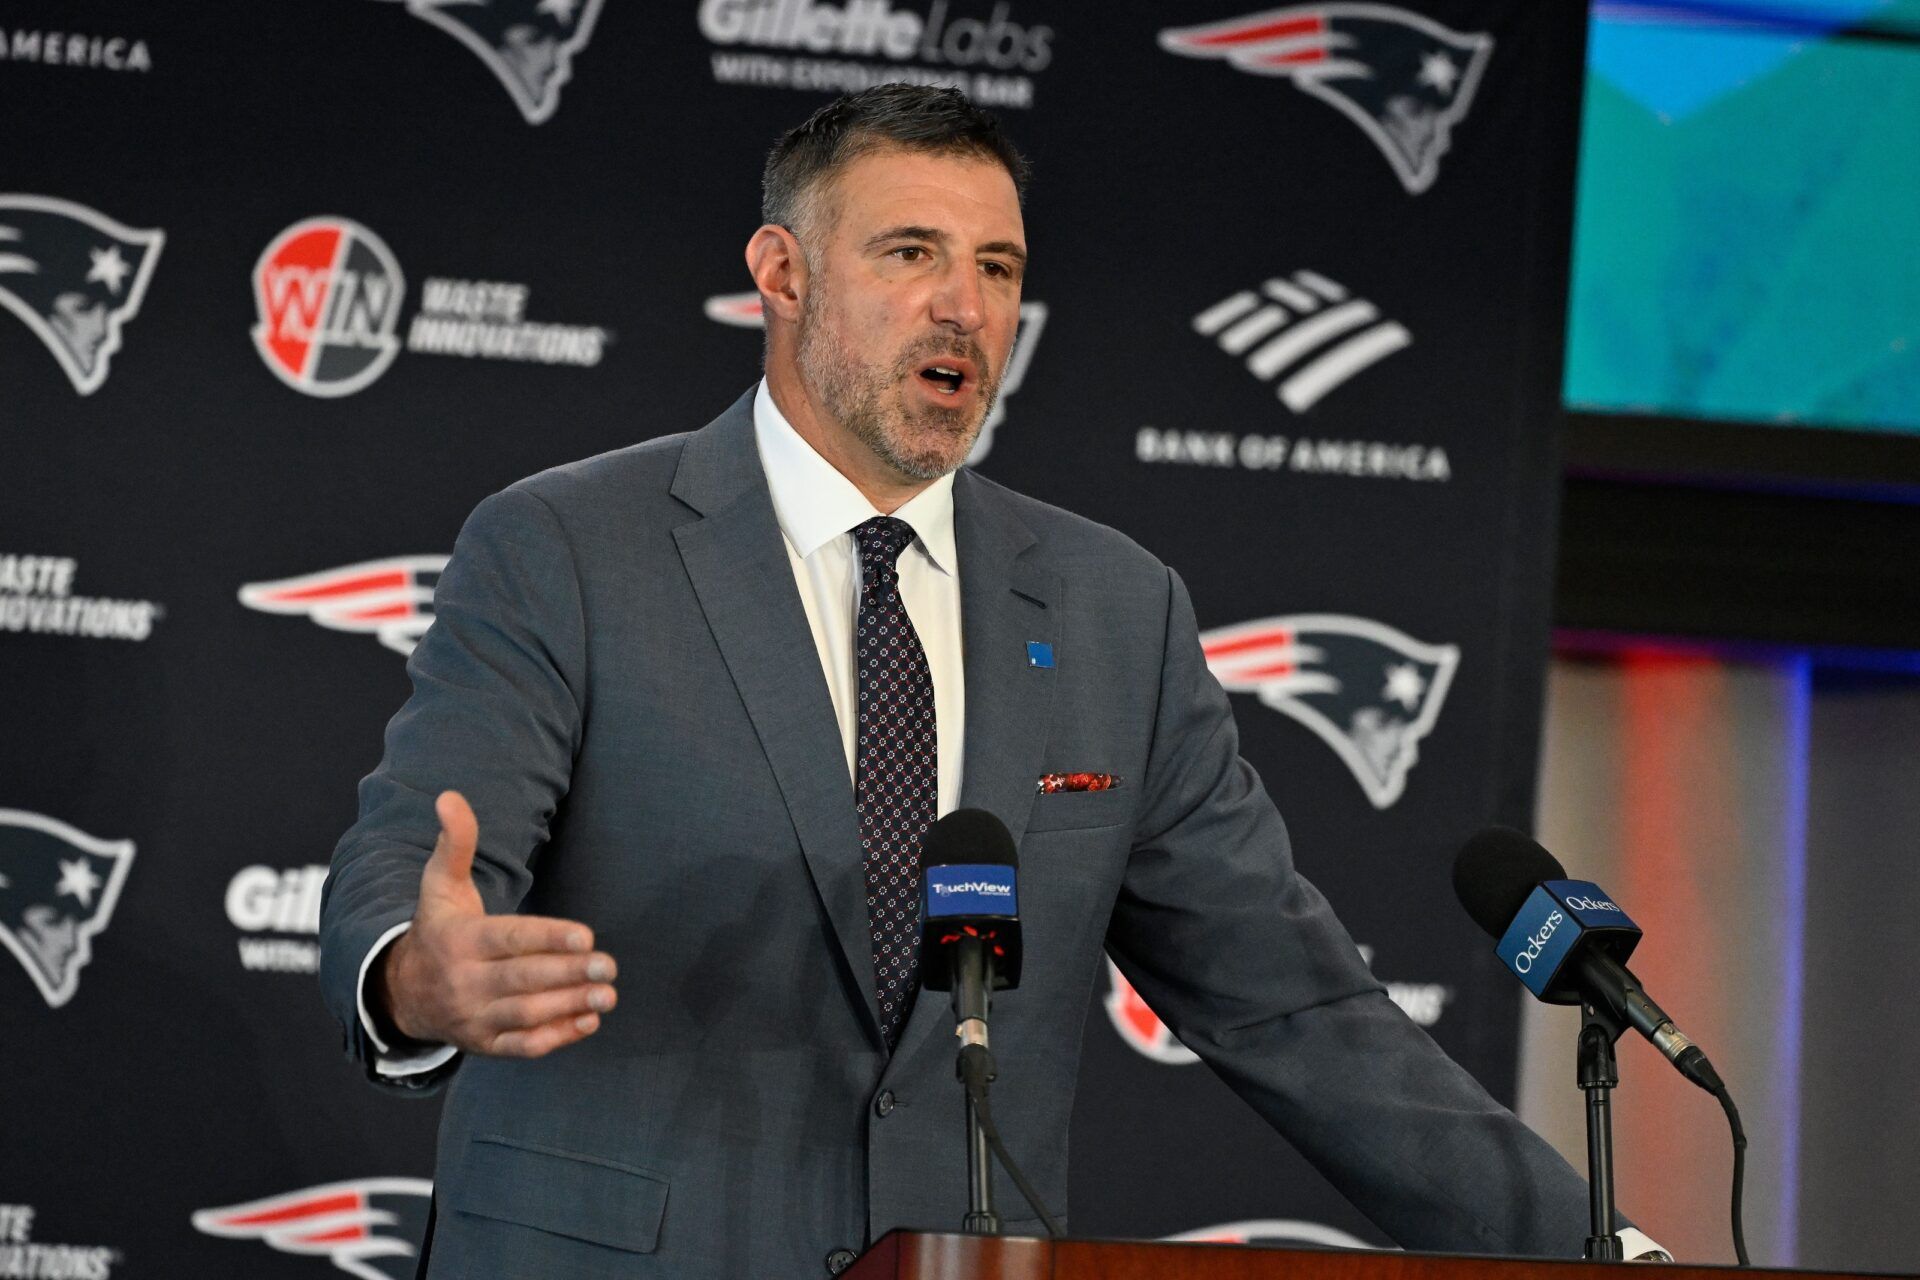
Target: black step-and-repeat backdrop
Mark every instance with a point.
(290, 287)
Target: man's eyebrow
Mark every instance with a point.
(937, 236)
(1007, 247)
(879, 238)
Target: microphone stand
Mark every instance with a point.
(975, 1069)
(1598, 1074)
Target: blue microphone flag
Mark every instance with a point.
(970, 889)
(1556, 916)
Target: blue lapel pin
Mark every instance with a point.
(1039, 655)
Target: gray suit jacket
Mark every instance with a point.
(622, 681)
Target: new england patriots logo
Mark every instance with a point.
(1370, 692)
(76, 277)
(370, 1227)
(1403, 78)
(391, 599)
(527, 44)
(58, 887)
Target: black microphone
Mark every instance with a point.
(970, 943)
(1565, 939)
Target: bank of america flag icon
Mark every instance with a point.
(1305, 330)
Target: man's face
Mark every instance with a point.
(913, 295)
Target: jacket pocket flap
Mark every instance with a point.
(1066, 810)
(586, 1197)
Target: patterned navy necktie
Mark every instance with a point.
(897, 792)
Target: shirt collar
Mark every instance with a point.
(814, 503)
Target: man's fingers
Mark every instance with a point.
(526, 975)
(535, 1042)
(449, 872)
(501, 937)
(523, 1013)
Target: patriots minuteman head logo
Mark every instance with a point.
(370, 1227)
(391, 599)
(58, 888)
(1403, 78)
(527, 44)
(1370, 692)
(76, 277)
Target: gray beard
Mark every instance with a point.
(857, 395)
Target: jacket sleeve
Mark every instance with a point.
(495, 713)
(1247, 964)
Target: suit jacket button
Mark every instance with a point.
(840, 1259)
(883, 1105)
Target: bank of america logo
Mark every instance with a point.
(1305, 330)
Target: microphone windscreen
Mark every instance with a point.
(969, 836)
(1496, 870)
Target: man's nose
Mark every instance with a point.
(959, 301)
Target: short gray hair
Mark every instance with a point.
(912, 117)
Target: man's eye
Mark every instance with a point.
(910, 253)
(999, 270)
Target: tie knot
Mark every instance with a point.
(881, 540)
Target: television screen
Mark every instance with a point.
(1747, 235)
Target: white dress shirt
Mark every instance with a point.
(818, 508)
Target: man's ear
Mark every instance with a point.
(779, 270)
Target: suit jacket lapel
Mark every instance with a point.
(1006, 600)
(736, 560)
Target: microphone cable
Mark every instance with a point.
(976, 1070)
(1739, 1170)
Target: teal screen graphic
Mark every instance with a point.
(1747, 228)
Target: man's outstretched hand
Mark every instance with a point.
(512, 986)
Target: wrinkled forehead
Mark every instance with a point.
(962, 193)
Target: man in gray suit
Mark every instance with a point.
(704, 695)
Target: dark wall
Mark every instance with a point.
(1296, 335)
(1859, 1172)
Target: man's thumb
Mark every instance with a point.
(448, 877)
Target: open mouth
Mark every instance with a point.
(946, 377)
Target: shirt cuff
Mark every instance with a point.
(386, 1062)
(1635, 1244)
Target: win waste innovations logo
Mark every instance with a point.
(328, 292)
(329, 295)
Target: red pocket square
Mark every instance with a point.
(1052, 782)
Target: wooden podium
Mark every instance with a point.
(914, 1255)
